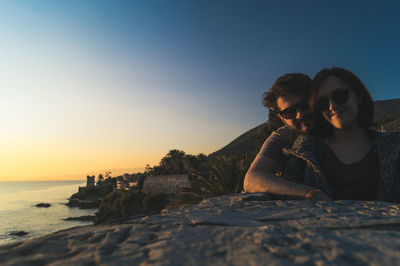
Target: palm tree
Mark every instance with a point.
(226, 177)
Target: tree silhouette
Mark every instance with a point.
(107, 174)
(178, 162)
(226, 177)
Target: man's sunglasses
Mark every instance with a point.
(291, 111)
(339, 96)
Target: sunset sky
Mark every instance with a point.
(93, 85)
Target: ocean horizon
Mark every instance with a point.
(19, 213)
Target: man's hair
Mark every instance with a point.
(365, 104)
(294, 84)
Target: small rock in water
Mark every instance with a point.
(43, 205)
(19, 233)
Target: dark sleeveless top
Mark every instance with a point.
(355, 181)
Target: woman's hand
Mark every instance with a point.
(319, 196)
(316, 195)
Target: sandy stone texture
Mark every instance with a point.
(240, 229)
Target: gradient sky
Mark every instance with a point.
(92, 85)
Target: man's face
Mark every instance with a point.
(299, 117)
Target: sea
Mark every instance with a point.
(19, 213)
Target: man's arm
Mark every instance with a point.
(261, 175)
(261, 178)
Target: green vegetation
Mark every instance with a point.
(178, 162)
(121, 204)
(155, 202)
(389, 123)
(94, 192)
(221, 176)
(225, 177)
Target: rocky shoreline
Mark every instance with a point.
(84, 203)
(239, 229)
(85, 218)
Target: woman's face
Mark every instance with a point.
(338, 103)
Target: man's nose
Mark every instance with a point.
(299, 113)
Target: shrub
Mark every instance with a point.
(226, 177)
(155, 202)
(123, 204)
(118, 205)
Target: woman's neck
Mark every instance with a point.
(354, 134)
(350, 145)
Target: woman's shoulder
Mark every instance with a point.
(386, 140)
(385, 136)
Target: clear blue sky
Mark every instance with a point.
(105, 84)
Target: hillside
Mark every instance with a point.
(389, 123)
(387, 115)
(246, 142)
(386, 107)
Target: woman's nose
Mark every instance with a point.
(332, 105)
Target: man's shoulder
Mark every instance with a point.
(286, 133)
(280, 138)
(284, 130)
(305, 143)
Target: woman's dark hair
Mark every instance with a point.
(365, 103)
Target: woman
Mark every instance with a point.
(348, 160)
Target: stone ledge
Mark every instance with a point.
(237, 229)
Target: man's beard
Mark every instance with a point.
(304, 125)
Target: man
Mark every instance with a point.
(288, 97)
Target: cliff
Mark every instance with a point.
(239, 229)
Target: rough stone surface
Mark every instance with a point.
(238, 229)
(169, 184)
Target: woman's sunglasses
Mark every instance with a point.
(339, 96)
(291, 111)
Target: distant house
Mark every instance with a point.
(90, 181)
(126, 182)
(169, 184)
(122, 184)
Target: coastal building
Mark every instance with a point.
(122, 184)
(90, 181)
(169, 184)
(126, 182)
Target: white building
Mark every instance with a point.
(169, 184)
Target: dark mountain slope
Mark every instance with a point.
(386, 107)
(246, 142)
